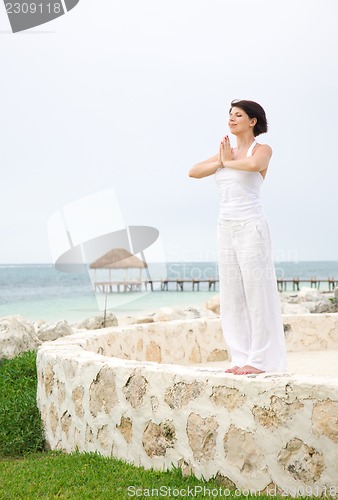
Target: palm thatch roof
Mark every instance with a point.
(118, 258)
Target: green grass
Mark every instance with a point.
(29, 473)
(20, 423)
(92, 476)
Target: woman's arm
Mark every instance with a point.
(205, 168)
(256, 163)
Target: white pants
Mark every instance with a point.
(249, 300)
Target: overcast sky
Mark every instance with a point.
(129, 94)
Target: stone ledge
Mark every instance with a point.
(252, 430)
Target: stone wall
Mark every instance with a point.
(311, 332)
(178, 342)
(256, 432)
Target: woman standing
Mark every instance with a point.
(249, 301)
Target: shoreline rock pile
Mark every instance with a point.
(307, 300)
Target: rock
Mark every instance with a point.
(53, 331)
(322, 306)
(97, 322)
(103, 437)
(277, 413)
(154, 403)
(213, 304)
(168, 314)
(181, 394)
(61, 391)
(293, 308)
(186, 468)
(195, 354)
(307, 300)
(218, 355)
(89, 434)
(303, 302)
(202, 434)
(242, 451)
(53, 418)
(175, 313)
(77, 397)
(335, 292)
(126, 428)
(38, 324)
(157, 438)
(146, 319)
(153, 352)
(325, 419)
(16, 335)
(66, 422)
(309, 294)
(272, 490)
(135, 389)
(48, 379)
(190, 312)
(102, 391)
(301, 461)
(228, 397)
(315, 301)
(224, 481)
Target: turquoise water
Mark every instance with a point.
(40, 292)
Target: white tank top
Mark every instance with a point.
(239, 192)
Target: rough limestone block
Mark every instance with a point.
(325, 419)
(135, 389)
(153, 352)
(48, 332)
(126, 428)
(243, 452)
(202, 436)
(103, 437)
(218, 355)
(227, 397)
(277, 413)
(16, 335)
(102, 391)
(77, 397)
(98, 322)
(301, 461)
(48, 377)
(181, 393)
(157, 438)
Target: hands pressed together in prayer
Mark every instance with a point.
(225, 151)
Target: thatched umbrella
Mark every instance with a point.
(118, 258)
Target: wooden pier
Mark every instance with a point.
(179, 284)
(163, 285)
(313, 282)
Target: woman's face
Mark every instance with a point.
(239, 121)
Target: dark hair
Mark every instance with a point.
(253, 110)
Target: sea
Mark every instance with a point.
(41, 292)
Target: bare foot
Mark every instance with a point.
(247, 370)
(232, 370)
